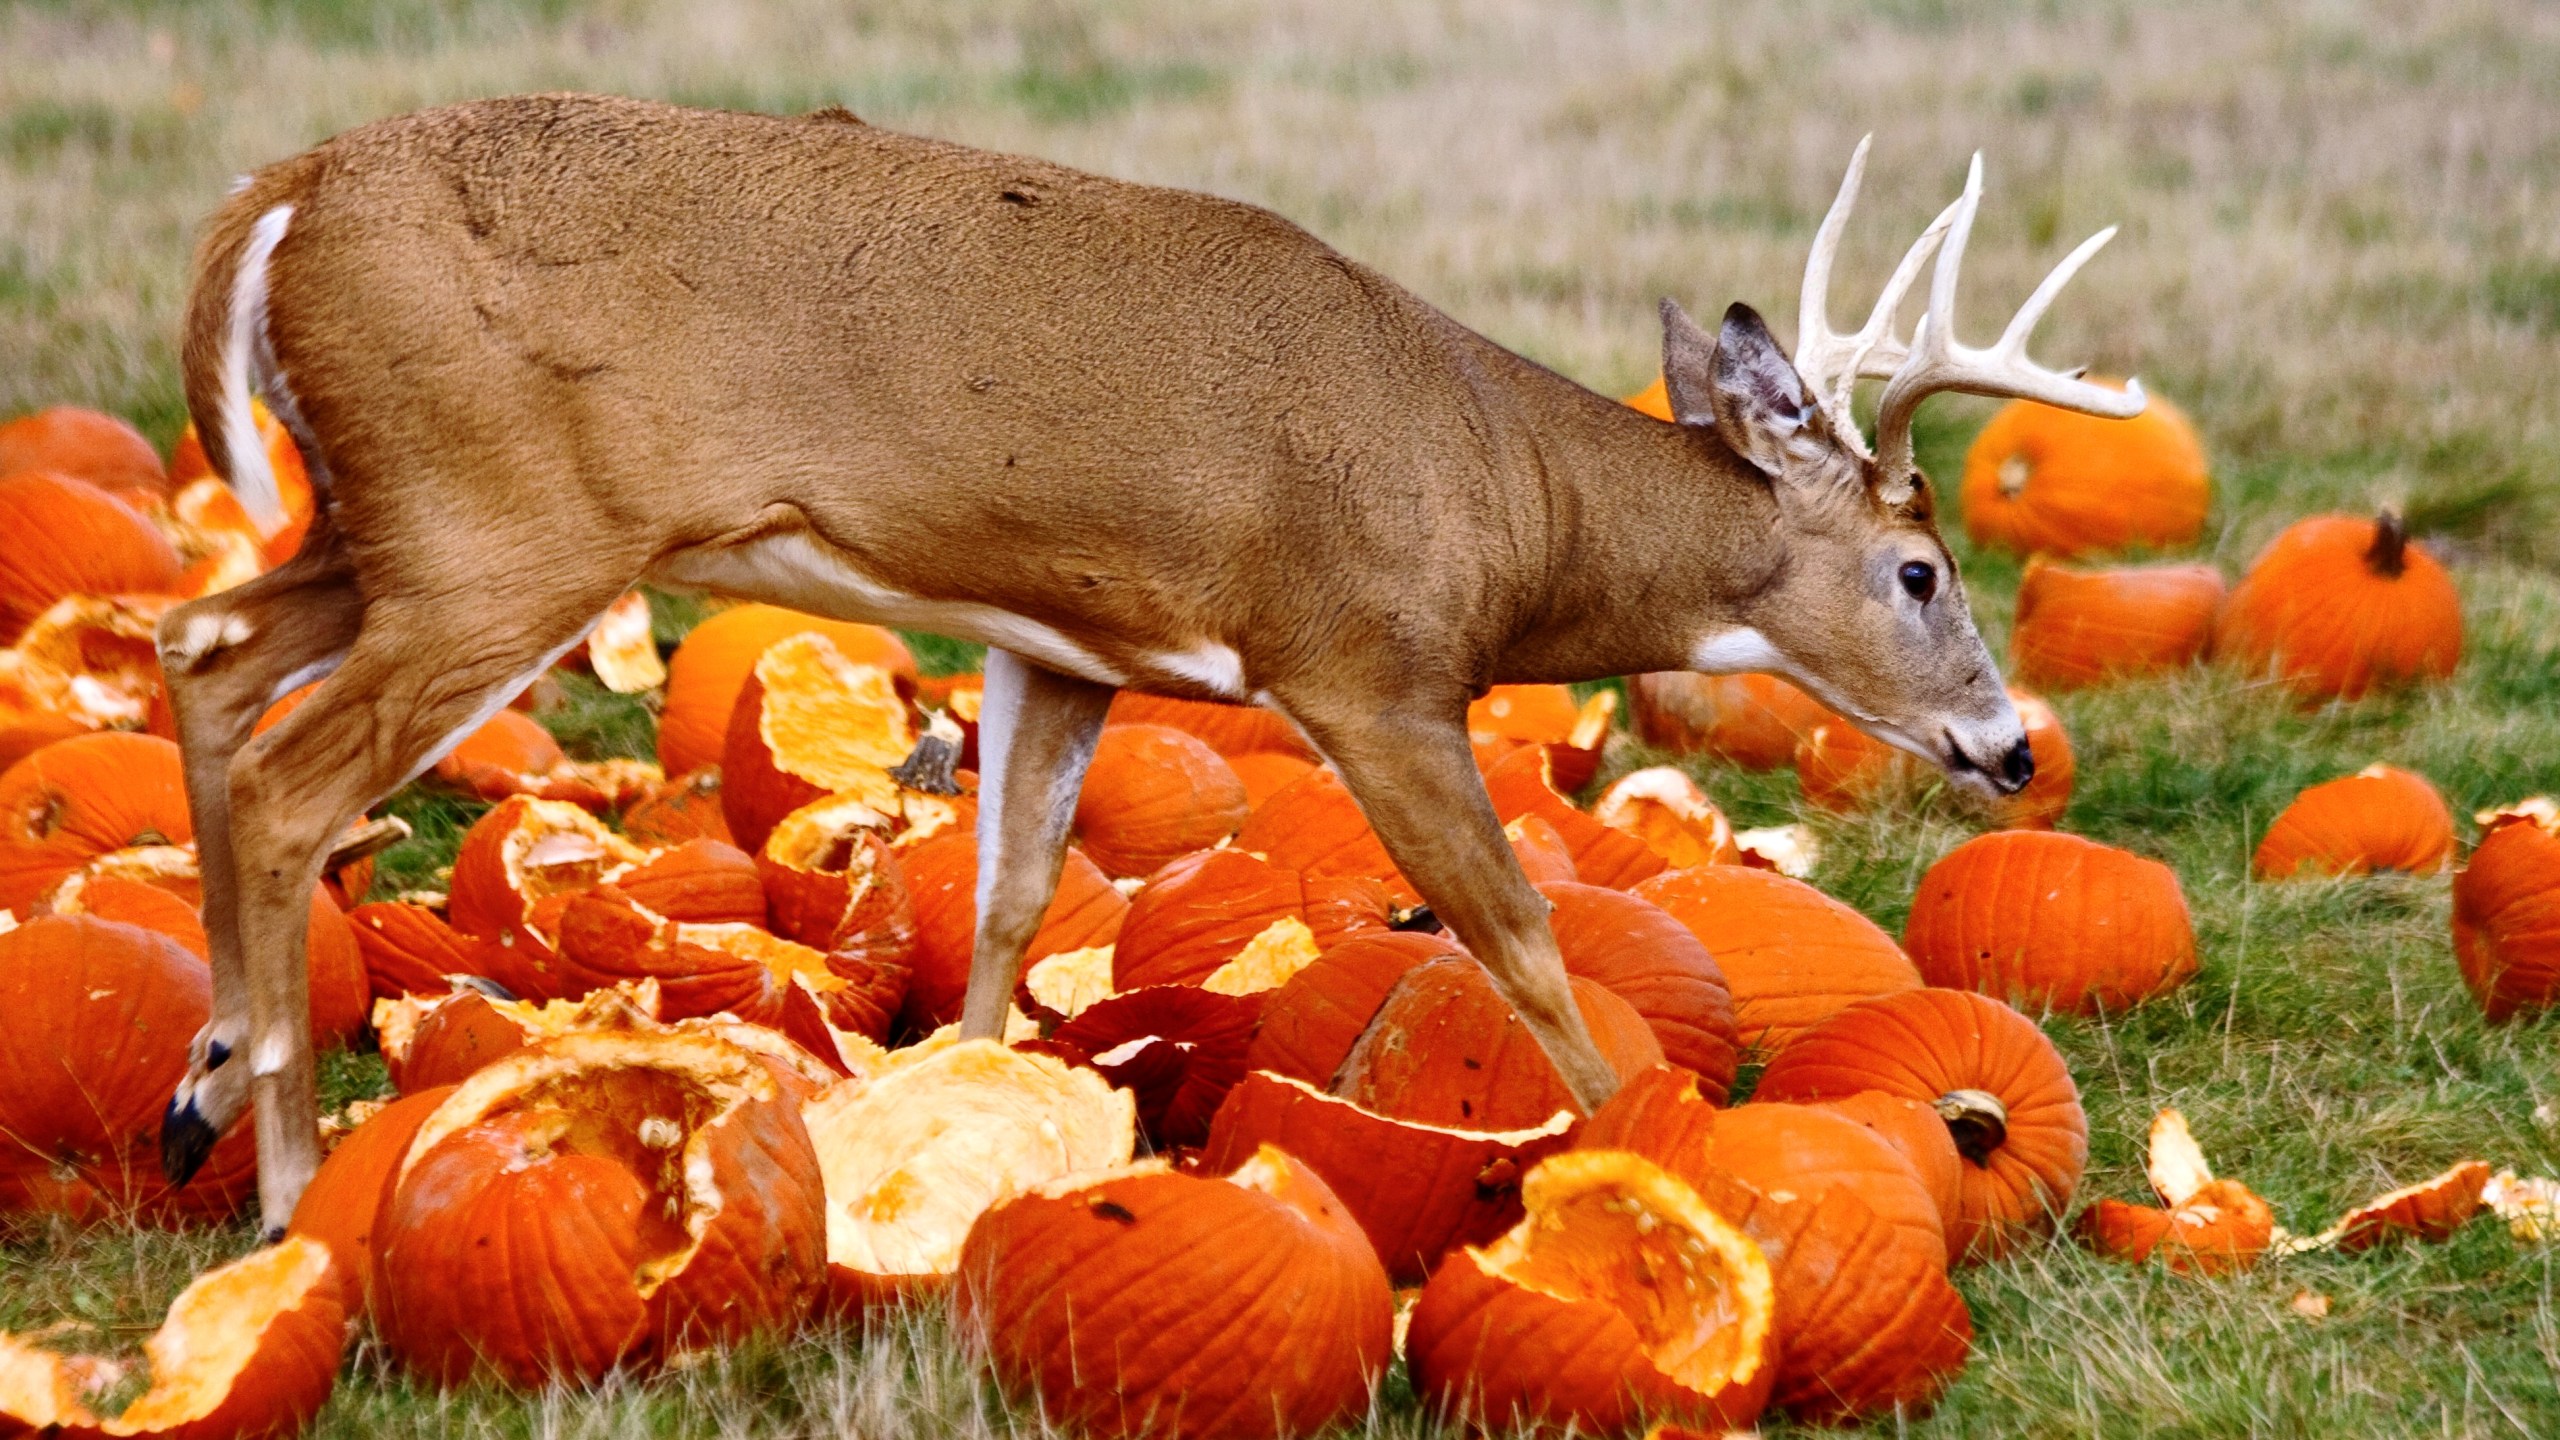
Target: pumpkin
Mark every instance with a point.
(2430, 1210)
(942, 875)
(1654, 400)
(1803, 1150)
(2079, 627)
(188, 465)
(85, 445)
(1152, 795)
(1865, 1317)
(1313, 826)
(2506, 912)
(599, 1201)
(514, 872)
(100, 1018)
(686, 807)
(1147, 1302)
(1197, 914)
(78, 799)
(1523, 783)
(89, 662)
(1668, 812)
(1753, 720)
(2051, 920)
(1648, 959)
(511, 754)
(914, 1155)
(1310, 1023)
(710, 668)
(1447, 1049)
(2007, 1099)
(1791, 955)
(72, 538)
(2210, 1226)
(622, 649)
(247, 1349)
(700, 882)
(811, 722)
(1507, 717)
(1842, 768)
(1177, 1050)
(1231, 730)
(2338, 607)
(134, 902)
(1417, 1190)
(408, 949)
(2380, 818)
(606, 939)
(1620, 1295)
(1263, 773)
(217, 542)
(1920, 1137)
(338, 1208)
(430, 1041)
(2039, 478)
(2040, 805)
(829, 880)
(1542, 853)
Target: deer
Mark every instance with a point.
(541, 349)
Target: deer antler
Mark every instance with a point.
(1938, 361)
(1833, 363)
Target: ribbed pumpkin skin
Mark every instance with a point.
(1311, 1022)
(77, 799)
(1161, 1304)
(2040, 479)
(1921, 1138)
(1193, 915)
(686, 807)
(2315, 613)
(2051, 920)
(1648, 959)
(1231, 730)
(408, 949)
(1791, 955)
(2078, 627)
(1152, 795)
(86, 445)
(340, 1205)
(100, 1015)
(1928, 1043)
(942, 874)
(1752, 720)
(712, 664)
(2383, 818)
(68, 537)
(700, 882)
(1313, 826)
(453, 1042)
(1803, 1149)
(2506, 920)
(1843, 769)
(1446, 1049)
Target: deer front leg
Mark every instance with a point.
(1036, 731)
(1410, 768)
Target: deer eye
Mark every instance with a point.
(1920, 580)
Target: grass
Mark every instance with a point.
(2342, 238)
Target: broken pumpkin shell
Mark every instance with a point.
(1447, 1049)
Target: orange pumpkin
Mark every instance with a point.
(710, 668)
(408, 949)
(68, 537)
(1507, 717)
(1153, 794)
(343, 1200)
(2380, 818)
(1313, 826)
(1177, 1050)
(2044, 479)
(700, 882)
(78, 799)
(605, 940)
(1792, 955)
(1648, 959)
(1310, 1023)
(1264, 772)
(188, 465)
(2002, 1089)
(2506, 913)
(1542, 853)
(1921, 1138)
(1447, 1049)
(686, 807)
(1842, 768)
(942, 874)
(1804, 1150)
(2339, 607)
(1200, 912)
(2080, 627)
(134, 902)
(1154, 1303)
(812, 722)
(90, 662)
(2430, 1210)
(1753, 720)
(86, 445)
(1671, 815)
(514, 871)
(2051, 920)
(1654, 400)
(1523, 783)
(1231, 730)
(1621, 1295)
(830, 880)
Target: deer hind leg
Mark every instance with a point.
(1409, 766)
(227, 657)
(1036, 732)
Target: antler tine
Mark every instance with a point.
(1937, 361)
(1830, 362)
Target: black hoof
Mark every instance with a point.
(185, 1141)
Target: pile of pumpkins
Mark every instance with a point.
(677, 1060)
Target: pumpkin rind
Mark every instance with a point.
(2051, 920)
(2078, 627)
(1446, 1049)
(711, 665)
(2381, 818)
(1791, 955)
(942, 876)
(2316, 611)
(2043, 479)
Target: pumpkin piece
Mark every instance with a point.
(1753, 720)
(436, 1040)
(830, 880)
(1231, 730)
(188, 464)
(2211, 1226)
(622, 649)
(605, 938)
(89, 445)
(1065, 985)
(1263, 1311)
(1620, 1294)
(914, 1155)
(1920, 1137)
(942, 875)
(2530, 1204)
(1311, 1022)
(100, 1018)
(1541, 852)
(2007, 1099)
(2078, 627)
(134, 902)
(89, 662)
(2506, 911)
(700, 882)
(1268, 961)
(1417, 1190)
(1648, 959)
(1865, 1317)
(1668, 812)
(341, 1204)
(1507, 717)
(2430, 1210)
(1264, 772)
(217, 543)
(1198, 913)
(1653, 400)
(2043, 479)
(247, 1349)
(631, 1193)
(1523, 783)
(1843, 769)
(71, 538)
(77, 799)
(2051, 920)
(408, 949)
(511, 754)
(2380, 818)
(686, 807)
(1314, 827)
(710, 668)
(515, 871)
(811, 723)
(2339, 607)
(1176, 1049)
(1152, 795)
(1791, 955)
(1446, 1049)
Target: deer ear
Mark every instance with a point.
(1688, 366)
(1757, 401)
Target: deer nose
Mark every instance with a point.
(2017, 768)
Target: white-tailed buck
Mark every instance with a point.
(536, 351)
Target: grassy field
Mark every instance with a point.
(2341, 256)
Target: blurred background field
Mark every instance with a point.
(2340, 255)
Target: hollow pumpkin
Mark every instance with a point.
(89, 662)
(711, 665)
(2006, 1097)
(684, 807)
(1524, 783)
(2506, 912)
(1650, 960)
(2043, 479)
(1446, 1049)
(2079, 627)
(1507, 717)
(340, 1205)
(2339, 607)
(1198, 913)
(516, 868)
(1753, 720)
(812, 722)
(408, 949)
(2380, 818)
(69, 537)
(2051, 920)
(1313, 826)
(605, 938)
(1310, 1023)
(1148, 1302)
(1152, 795)
(942, 874)
(1666, 810)
(1176, 1049)
(1791, 955)
(830, 881)
(90, 445)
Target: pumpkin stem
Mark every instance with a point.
(932, 767)
(2388, 555)
(1977, 1120)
